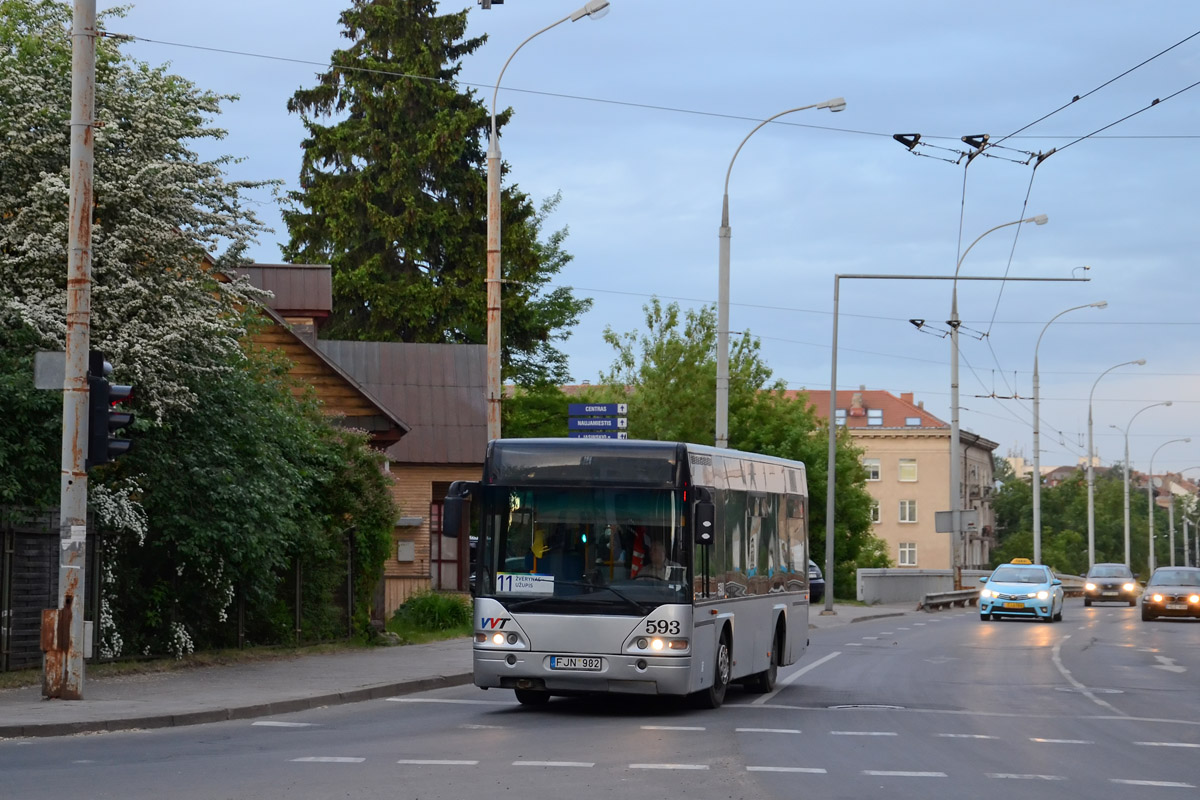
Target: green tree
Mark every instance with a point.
(534, 411)
(231, 479)
(667, 374)
(393, 196)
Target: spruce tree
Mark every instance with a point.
(393, 196)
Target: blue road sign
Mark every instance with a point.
(597, 409)
(597, 423)
(597, 435)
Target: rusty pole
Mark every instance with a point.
(63, 671)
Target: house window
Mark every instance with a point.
(908, 510)
(907, 470)
(908, 554)
(871, 465)
(839, 417)
(912, 422)
(875, 416)
(875, 515)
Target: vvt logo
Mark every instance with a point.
(493, 623)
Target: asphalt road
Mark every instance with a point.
(935, 705)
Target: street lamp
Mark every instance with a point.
(722, 424)
(1125, 431)
(955, 441)
(1091, 472)
(1150, 496)
(1037, 470)
(1187, 553)
(593, 8)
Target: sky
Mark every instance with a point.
(636, 117)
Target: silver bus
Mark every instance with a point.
(634, 567)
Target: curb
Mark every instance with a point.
(48, 729)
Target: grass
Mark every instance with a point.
(431, 617)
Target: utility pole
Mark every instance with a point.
(62, 628)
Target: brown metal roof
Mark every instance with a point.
(438, 390)
(301, 290)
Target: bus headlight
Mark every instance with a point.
(498, 638)
(657, 644)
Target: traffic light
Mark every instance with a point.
(103, 418)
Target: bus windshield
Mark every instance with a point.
(584, 550)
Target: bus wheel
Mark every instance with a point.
(529, 697)
(714, 696)
(764, 682)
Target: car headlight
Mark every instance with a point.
(1194, 599)
(1128, 587)
(1091, 587)
(1043, 595)
(1156, 598)
(986, 593)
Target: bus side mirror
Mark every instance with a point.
(706, 516)
(454, 507)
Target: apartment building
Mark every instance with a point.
(906, 451)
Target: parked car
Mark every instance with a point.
(816, 583)
(1021, 589)
(1172, 592)
(1110, 583)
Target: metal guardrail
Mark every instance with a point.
(1072, 587)
(959, 598)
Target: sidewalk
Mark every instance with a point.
(243, 691)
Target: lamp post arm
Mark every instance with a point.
(496, 91)
(835, 104)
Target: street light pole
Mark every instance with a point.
(494, 389)
(1091, 471)
(956, 543)
(1037, 469)
(723, 234)
(1150, 496)
(1125, 431)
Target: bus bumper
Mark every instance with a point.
(621, 674)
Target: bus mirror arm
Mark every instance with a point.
(453, 507)
(706, 515)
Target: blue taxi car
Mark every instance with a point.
(1021, 589)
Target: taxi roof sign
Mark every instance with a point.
(1021, 561)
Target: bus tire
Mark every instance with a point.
(714, 695)
(530, 697)
(764, 682)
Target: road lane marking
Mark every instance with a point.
(891, 773)
(331, 759)
(1056, 657)
(1168, 664)
(268, 723)
(668, 766)
(805, 770)
(1059, 741)
(1015, 776)
(1167, 744)
(870, 637)
(1168, 784)
(966, 736)
(554, 763)
(863, 733)
(853, 644)
(438, 762)
(794, 676)
(772, 730)
(672, 728)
